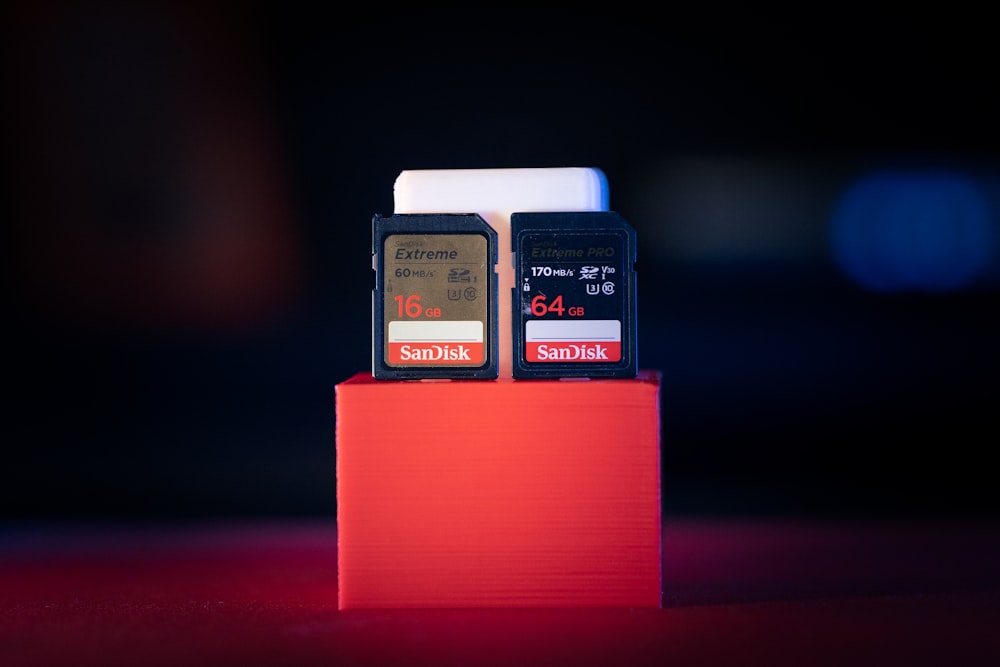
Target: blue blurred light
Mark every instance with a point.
(922, 231)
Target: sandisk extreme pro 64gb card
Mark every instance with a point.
(574, 297)
(434, 304)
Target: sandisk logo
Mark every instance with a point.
(573, 352)
(434, 353)
(579, 351)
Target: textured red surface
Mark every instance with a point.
(737, 593)
(495, 494)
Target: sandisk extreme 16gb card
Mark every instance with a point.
(434, 304)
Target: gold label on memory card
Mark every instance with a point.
(436, 299)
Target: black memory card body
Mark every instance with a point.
(574, 299)
(434, 306)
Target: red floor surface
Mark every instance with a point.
(735, 592)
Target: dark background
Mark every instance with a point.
(188, 193)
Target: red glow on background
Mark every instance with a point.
(151, 189)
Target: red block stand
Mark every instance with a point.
(505, 493)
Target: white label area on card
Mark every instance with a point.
(451, 343)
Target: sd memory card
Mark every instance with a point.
(434, 306)
(574, 298)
